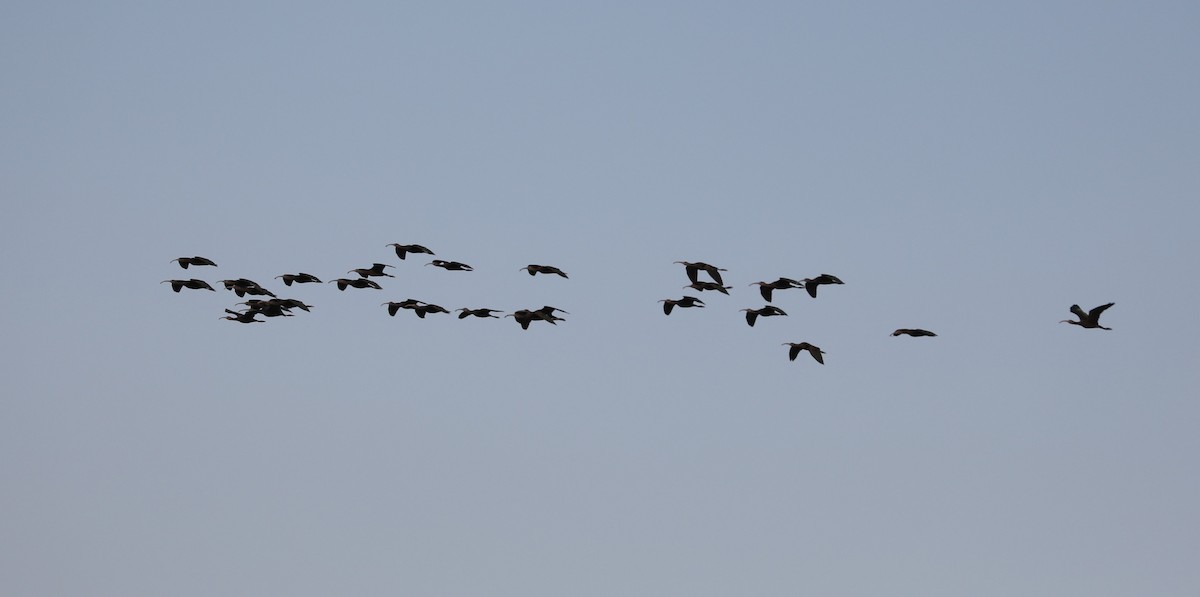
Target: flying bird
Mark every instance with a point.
(269, 308)
(465, 313)
(342, 283)
(194, 284)
(1091, 319)
(422, 309)
(525, 317)
(685, 302)
(453, 266)
(242, 287)
(702, 286)
(781, 284)
(376, 269)
(300, 278)
(811, 284)
(534, 269)
(796, 347)
(402, 250)
(244, 317)
(184, 262)
(913, 332)
(693, 269)
(767, 311)
(394, 307)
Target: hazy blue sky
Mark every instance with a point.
(970, 168)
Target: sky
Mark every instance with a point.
(969, 168)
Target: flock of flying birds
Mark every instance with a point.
(277, 307)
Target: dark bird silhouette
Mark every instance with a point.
(184, 262)
(693, 269)
(1091, 319)
(811, 284)
(525, 317)
(685, 302)
(796, 347)
(242, 287)
(394, 307)
(913, 332)
(300, 278)
(781, 284)
(767, 311)
(269, 308)
(454, 266)
(402, 250)
(194, 284)
(702, 286)
(543, 269)
(465, 313)
(547, 313)
(293, 304)
(342, 283)
(376, 269)
(244, 317)
(422, 309)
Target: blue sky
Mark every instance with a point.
(973, 169)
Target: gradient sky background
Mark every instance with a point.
(971, 168)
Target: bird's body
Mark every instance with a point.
(526, 316)
(693, 270)
(184, 262)
(403, 250)
(342, 283)
(767, 311)
(269, 308)
(394, 307)
(796, 347)
(534, 269)
(702, 286)
(425, 308)
(454, 266)
(194, 284)
(811, 284)
(376, 269)
(685, 302)
(466, 312)
(1091, 319)
(300, 278)
(781, 284)
(914, 332)
(243, 317)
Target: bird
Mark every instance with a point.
(543, 269)
(269, 308)
(781, 284)
(244, 317)
(1091, 319)
(693, 270)
(342, 283)
(293, 304)
(686, 301)
(451, 265)
(702, 286)
(394, 307)
(194, 284)
(796, 347)
(767, 311)
(242, 287)
(402, 250)
(466, 312)
(525, 317)
(376, 269)
(422, 309)
(184, 262)
(913, 332)
(300, 278)
(810, 284)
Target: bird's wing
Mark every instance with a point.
(765, 290)
(715, 273)
(816, 354)
(793, 352)
(1077, 311)
(751, 316)
(1095, 313)
(667, 306)
(811, 287)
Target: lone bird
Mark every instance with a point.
(194, 284)
(811, 284)
(454, 266)
(767, 311)
(702, 286)
(1091, 319)
(465, 313)
(913, 332)
(781, 284)
(184, 262)
(796, 347)
(534, 269)
(342, 283)
(525, 317)
(685, 302)
(693, 269)
(394, 307)
(402, 250)
(300, 278)
(244, 317)
(376, 269)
